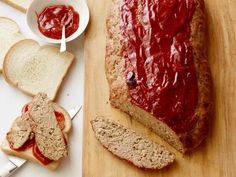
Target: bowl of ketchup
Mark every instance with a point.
(46, 19)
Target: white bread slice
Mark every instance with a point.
(33, 68)
(129, 145)
(27, 154)
(8, 25)
(21, 5)
(9, 35)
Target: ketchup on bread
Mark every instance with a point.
(30, 143)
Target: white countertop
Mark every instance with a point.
(69, 96)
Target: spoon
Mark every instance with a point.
(63, 40)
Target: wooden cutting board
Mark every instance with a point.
(217, 156)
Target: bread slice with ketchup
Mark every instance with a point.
(40, 134)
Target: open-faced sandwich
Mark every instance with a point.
(40, 134)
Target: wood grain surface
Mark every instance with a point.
(214, 158)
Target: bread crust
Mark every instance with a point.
(7, 58)
(27, 154)
(119, 95)
(18, 37)
(16, 6)
(18, 28)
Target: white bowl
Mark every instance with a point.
(38, 6)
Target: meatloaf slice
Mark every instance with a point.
(131, 146)
(20, 131)
(48, 135)
(121, 36)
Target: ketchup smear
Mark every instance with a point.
(60, 119)
(159, 66)
(31, 142)
(52, 19)
(44, 160)
(28, 144)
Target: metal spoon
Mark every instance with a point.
(63, 40)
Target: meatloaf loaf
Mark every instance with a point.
(157, 68)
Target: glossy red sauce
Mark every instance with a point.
(28, 144)
(25, 109)
(44, 160)
(31, 142)
(60, 119)
(52, 19)
(158, 56)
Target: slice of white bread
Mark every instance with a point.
(131, 146)
(21, 5)
(9, 35)
(27, 154)
(33, 68)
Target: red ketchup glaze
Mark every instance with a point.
(159, 66)
(44, 160)
(60, 119)
(52, 19)
(25, 109)
(31, 142)
(28, 144)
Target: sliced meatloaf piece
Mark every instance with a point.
(146, 74)
(48, 135)
(20, 132)
(131, 146)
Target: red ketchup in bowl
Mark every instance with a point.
(52, 19)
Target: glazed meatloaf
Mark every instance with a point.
(157, 68)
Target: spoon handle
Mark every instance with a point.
(63, 40)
